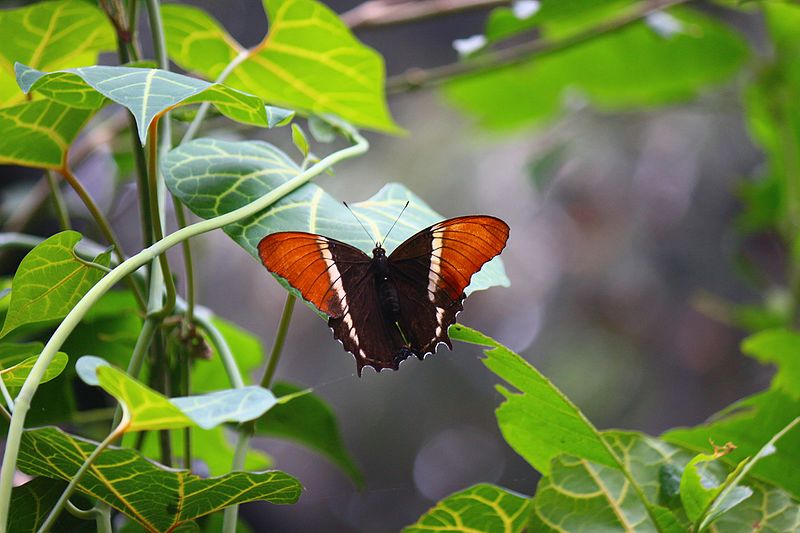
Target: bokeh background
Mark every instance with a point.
(622, 232)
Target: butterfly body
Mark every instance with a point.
(386, 308)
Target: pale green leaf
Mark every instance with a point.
(16, 363)
(539, 422)
(781, 347)
(299, 139)
(213, 177)
(50, 36)
(38, 134)
(147, 93)
(146, 409)
(126, 481)
(630, 67)
(49, 281)
(485, 508)
(309, 60)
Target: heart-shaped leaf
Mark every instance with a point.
(38, 134)
(309, 60)
(50, 36)
(147, 93)
(213, 177)
(17, 359)
(483, 507)
(146, 409)
(156, 497)
(49, 281)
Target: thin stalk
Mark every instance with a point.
(58, 201)
(133, 28)
(73, 318)
(137, 358)
(77, 512)
(224, 351)
(191, 131)
(103, 520)
(280, 340)
(6, 396)
(105, 227)
(157, 30)
(186, 380)
(50, 521)
(231, 514)
(188, 266)
(4, 413)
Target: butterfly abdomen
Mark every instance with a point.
(387, 292)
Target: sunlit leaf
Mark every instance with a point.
(213, 177)
(156, 497)
(309, 421)
(50, 36)
(38, 134)
(16, 362)
(31, 503)
(750, 424)
(781, 347)
(539, 422)
(49, 281)
(147, 93)
(309, 60)
(630, 67)
(485, 508)
(146, 409)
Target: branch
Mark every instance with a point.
(418, 78)
(375, 13)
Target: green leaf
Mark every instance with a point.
(485, 508)
(38, 134)
(31, 503)
(322, 130)
(631, 67)
(147, 93)
(699, 489)
(213, 177)
(49, 281)
(16, 361)
(750, 424)
(539, 422)
(309, 421)
(299, 139)
(781, 347)
(145, 409)
(50, 36)
(125, 480)
(309, 60)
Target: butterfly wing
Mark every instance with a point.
(337, 279)
(432, 269)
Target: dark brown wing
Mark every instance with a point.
(337, 279)
(432, 269)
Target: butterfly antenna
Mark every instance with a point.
(359, 221)
(395, 221)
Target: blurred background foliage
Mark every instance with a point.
(648, 163)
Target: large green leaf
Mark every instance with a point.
(750, 424)
(49, 281)
(539, 422)
(630, 67)
(147, 93)
(146, 409)
(309, 421)
(38, 134)
(31, 503)
(50, 36)
(485, 508)
(17, 359)
(309, 60)
(213, 177)
(126, 481)
(781, 347)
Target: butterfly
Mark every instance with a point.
(386, 308)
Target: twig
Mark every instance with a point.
(375, 13)
(58, 201)
(419, 78)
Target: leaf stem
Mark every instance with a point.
(377, 13)
(224, 351)
(137, 358)
(130, 265)
(6, 396)
(188, 266)
(49, 522)
(77, 512)
(418, 78)
(103, 519)
(231, 514)
(104, 226)
(58, 201)
(280, 340)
